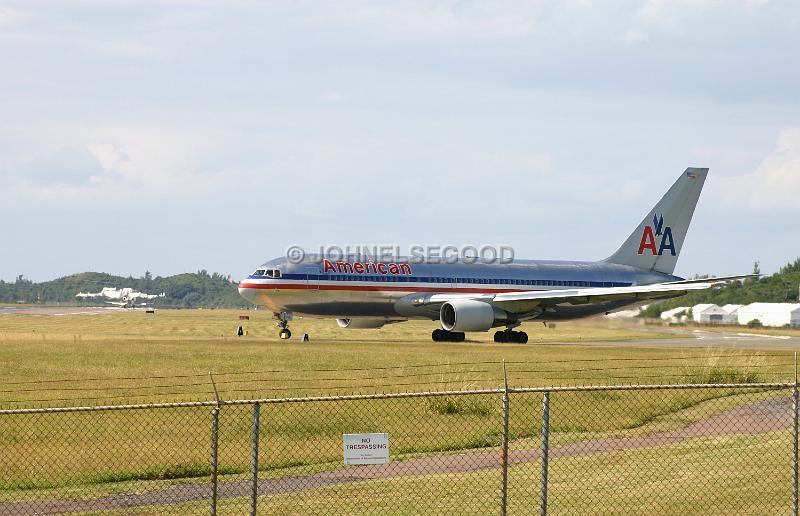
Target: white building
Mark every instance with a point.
(708, 314)
(675, 315)
(770, 314)
(731, 312)
(624, 314)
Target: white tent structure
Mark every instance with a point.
(770, 314)
(708, 314)
(731, 312)
(624, 314)
(671, 315)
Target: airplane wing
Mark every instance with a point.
(142, 295)
(523, 302)
(87, 294)
(719, 279)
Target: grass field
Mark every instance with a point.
(135, 357)
(582, 486)
(127, 356)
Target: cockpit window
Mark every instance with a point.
(276, 273)
(259, 272)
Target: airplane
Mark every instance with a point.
(476, 297)
(123, 297)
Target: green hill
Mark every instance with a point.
(781, 287)
(190, 290)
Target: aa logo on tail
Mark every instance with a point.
(657, 230)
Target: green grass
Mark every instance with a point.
(728, 475)
(182, 346)
(106, 357)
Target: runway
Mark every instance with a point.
(56, 310)
(737, 338)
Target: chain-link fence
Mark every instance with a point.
(722, 449)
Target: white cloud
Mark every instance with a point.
(477, 19)
(332, 96)
(11, 16)
(67, 166)
(124, 163)
(635, 36)
(774, 186)
(671, 14)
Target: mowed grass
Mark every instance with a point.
(126, 357)
(173, 343)
(723, 476)
(134, 357)
(727, 475)
(261, 326)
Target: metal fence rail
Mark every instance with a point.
(726, 448)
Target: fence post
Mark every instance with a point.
(504, 484)
(794, 438)
(214, 448)
(254, 494)
(214, 445)
(545, 449)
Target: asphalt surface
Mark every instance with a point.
(57, 310)
(699, 338)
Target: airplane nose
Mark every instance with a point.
(245, 292)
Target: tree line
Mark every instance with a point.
(189, 290)
(781, 287)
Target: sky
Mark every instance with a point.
(173, 136)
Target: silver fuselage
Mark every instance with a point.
(314, 288)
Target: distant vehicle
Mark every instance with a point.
(480, 296)
(123, 297)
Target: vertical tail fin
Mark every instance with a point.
(656, 242)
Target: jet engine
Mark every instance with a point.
(470, 315)
(363, 323)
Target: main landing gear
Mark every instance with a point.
(509, 335)
(283, 324)
(447, 336)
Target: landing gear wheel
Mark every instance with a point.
(447, 336)
(519, 337)
(283, 324)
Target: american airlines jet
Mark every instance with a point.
(476, 297)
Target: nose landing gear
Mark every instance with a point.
(283, 324)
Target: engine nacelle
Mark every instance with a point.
(363, 323)
(470, 315)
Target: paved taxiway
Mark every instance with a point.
(55, 310)
(736, 338)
